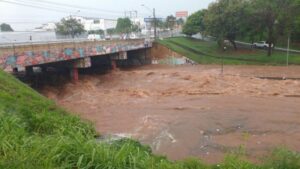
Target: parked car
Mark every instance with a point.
(124, 37)
(94, 37)
(261, 44)
(133, 36)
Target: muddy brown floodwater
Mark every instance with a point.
(187, 111)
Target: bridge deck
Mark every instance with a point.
(22, 55)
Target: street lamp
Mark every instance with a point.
(154, 19)
(74, 14)
(222, 66)
(288, 50)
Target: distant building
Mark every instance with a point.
(95, 23)
(182, 14)
(46, 27)
(88, 23)
(139, 22)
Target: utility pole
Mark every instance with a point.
(222, 66)
(155, 24)
(154, 20)
(136, 14)
(288, 51)
(131, 14)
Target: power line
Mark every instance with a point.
(59, 8)
(75, 6)
(42, 7)
(79, 7)
(26, 22)
(38, 6)
(56, 8)
(33, 6)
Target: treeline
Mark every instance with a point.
(4, 27)
(249, 20)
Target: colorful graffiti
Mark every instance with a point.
(55, 53)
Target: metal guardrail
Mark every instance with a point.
(25, 54)
(276, 48)
(63, 41)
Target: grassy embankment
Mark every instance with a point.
(205, 52)
(36, 134)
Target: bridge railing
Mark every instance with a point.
(63, 41)
(27, 54)
(34, 47)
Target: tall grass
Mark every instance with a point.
(205, 52)
(36, 134)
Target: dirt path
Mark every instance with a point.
(191, 110)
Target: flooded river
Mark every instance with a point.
(183, 111)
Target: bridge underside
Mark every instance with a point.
(71, 56)
(92, 63)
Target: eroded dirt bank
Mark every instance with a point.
(191, 110)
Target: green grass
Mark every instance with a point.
(205, 52)
(36, 134)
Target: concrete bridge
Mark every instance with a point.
(71, 54)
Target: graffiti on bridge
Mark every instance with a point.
(16, 59)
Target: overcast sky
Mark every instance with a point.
(21, 16)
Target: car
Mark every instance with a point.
(133, 36)
(261, 44)
(94, 37)
(124, 37)
(108, 37)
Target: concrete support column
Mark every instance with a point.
(15, 70)
(29, 71)
(74, 74)
(80, 63)
(44, 69)
(113, 64)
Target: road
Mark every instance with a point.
(276, 48)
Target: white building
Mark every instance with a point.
(139, 22)
(95, 23)
(46, 27)
(88, 23)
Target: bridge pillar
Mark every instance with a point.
(122, 55)
(29, 71)
(44, 69)
(113, 64)
(15, 70)
(80, 63)
(74, 74)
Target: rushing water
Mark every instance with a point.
(183, 111)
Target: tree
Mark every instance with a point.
(100, 32)
(135, 28)
(110, 31)
(5, 28)
(250, 30)
(170, 22)
(195, 24)
(159, 24)
(224, 20)
(276, 17)
(69, 27)
(180, 21)
(296, 28)
(124, 25)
